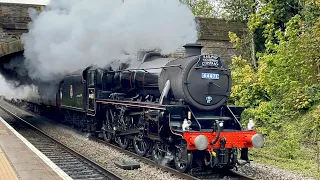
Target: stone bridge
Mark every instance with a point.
(14, 21)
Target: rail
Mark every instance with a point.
(145, 160)
(107, 173)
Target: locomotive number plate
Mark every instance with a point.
(209, 76)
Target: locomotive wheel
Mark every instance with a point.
(140, 146)
(182, 166)
(123, 142)
(158, 152)
(107, 136)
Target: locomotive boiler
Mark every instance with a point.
(165, 107)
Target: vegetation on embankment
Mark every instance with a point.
(277, 78)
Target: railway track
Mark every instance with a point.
(72, 163)
(145, 160)
(225, 175)
(232, 174)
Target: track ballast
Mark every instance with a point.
(72, 163)
(191, 176)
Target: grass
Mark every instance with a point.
(292, 145)
(304, 163)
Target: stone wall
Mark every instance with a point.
(14, 19)
(218, 29)
(214, 36)
(224, 49)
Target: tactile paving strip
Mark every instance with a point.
(6, 170)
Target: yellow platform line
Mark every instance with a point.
(6, 170)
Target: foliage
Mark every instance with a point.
(269, 19)
(239, 10)
(283, 92)
(200, 8)
(243, 45)
(290, 74)
(310, 12)
(246, 89)
(264, 19)
(287, 80)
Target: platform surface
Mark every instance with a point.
(6, 171)
(19, 159)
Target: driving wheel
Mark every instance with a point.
(140, 145)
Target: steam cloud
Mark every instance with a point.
(10, 91)
(73, 34)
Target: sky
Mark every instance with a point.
(41, 2)
(213, 2)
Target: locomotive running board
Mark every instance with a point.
(135, 104)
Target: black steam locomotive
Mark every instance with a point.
(166, 107)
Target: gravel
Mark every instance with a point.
(72, 165)
(107, 156)
(266, 172)
(95, 151)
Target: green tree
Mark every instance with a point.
(282, 93)
(239, 10)
(271, 17)
(264, 19)
(290, 74)
(310, 12)
(201, 8)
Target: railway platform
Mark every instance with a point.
(19, 159)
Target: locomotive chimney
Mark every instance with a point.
(192, 49)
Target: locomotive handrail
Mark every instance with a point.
(165, 91)
(234, 116)
(144, 69)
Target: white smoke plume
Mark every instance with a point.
(12, 92)
(72, 34)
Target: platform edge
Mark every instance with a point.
(46, 160)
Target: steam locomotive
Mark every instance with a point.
(168, 108)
